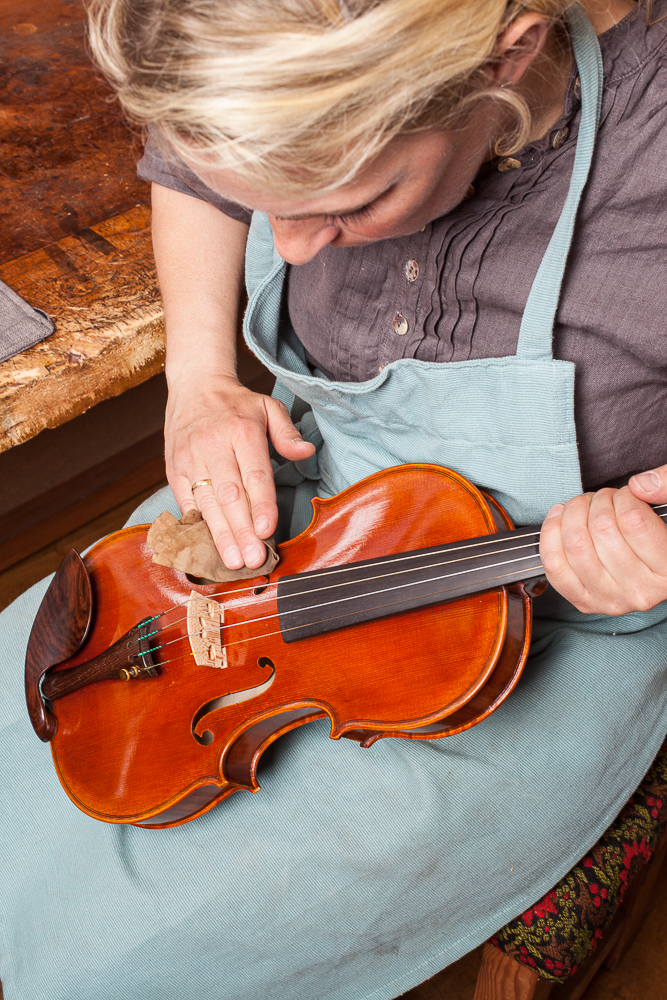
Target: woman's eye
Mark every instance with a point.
(344, 220)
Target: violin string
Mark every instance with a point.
(419, 554)
(377, 607)
(411, 569)
(362, 581)
(447, 576)
(174, 659)
(175, 607)
(465, 545)
(321, 621)
(372, 593)
(368, 579)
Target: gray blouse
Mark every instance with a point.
(457, 290)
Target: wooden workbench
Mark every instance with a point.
(100, 288)
(75, 242)
(74, 225)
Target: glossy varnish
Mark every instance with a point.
(160, 750)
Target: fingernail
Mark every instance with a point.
(298, 440)
(261, 525)
(253, 555)
(648, 482)
(232, 557)
(557, 508)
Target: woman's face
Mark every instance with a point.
(414, 180)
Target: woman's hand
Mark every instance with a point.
(215, 428)
(218, 430)
(606, 552)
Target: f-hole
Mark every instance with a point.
(233, 698)
(260, 590)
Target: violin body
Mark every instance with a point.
(165, 746)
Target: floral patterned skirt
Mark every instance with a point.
(559, 932)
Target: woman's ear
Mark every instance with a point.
(516, 48)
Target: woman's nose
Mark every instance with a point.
(299, 240)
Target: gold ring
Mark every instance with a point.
(201, 482)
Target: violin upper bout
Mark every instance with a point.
(59, 630)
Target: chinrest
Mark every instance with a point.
(59, 630)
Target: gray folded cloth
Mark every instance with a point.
(21, 326)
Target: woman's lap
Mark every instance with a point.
(352, 873)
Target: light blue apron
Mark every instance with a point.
(353, 874)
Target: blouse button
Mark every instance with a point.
(560, 137)
(577, 89)
(411, 270)
(400, 325)
(509, 163)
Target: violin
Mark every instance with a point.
(403, 610)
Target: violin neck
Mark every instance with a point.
(329, 599)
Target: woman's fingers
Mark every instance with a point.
(602, 558)
(224, 507)
(241, 507)
(643, 528)
(644, 532)
(223, 437)
(245, 496)
(240, 499)
(285, 437)
(650, 486)
(181, 488)
(606, 553)
(556, 558)
(204, 499)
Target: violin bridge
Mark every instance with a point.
(205, 618)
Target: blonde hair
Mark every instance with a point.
(299, 94)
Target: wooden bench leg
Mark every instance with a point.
(503, 978)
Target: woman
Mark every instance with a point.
(413, 322)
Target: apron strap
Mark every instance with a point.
(536, 333)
